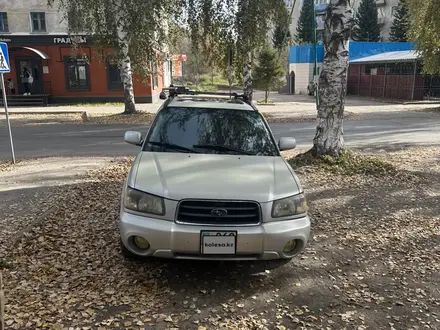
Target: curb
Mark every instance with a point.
(423, 103)
(45, 113)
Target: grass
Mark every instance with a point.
(209, 83)
(215, 81)
(348, 163)
(263, 102)
(205, 88)
(140, 117)
(97, 104)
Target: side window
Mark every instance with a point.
(114, 80)
(77, 73)
(38, 22)
(4, 27)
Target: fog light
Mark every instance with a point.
(290, 246)
(141, 243)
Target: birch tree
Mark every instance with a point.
(242, 25)
(136, 31)
(424, 29)
(329, 139)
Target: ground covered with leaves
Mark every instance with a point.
(372, 263)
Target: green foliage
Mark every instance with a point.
(400, 26)
(144, 23)
(304, 30)
(216, 26)
(425, 30)
(367, 27)
(348, 163)
(268, 72)
(281, 37)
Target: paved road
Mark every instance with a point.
(107, 140)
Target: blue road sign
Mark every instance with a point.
(4, 58)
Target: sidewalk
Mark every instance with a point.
(286, 106)
(31, 189)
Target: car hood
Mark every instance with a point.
(204, 176)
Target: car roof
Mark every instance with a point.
(184, 101)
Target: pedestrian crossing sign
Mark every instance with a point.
(4, 58)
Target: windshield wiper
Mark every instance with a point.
(220, 147)
(172, 146)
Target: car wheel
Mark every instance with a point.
(127, 253)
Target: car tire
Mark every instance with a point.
(127, 253)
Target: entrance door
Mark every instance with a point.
(34, 66)
(292, 82)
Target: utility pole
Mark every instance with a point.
(2, 304)
(315, 69)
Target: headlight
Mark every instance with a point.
(289, 206)
(142, 202)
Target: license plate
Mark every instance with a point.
(218, 242)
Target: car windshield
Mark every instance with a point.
(211, 131)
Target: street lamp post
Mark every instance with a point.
(315, 69)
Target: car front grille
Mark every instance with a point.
(208, 212)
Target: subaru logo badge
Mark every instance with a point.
(219, 212)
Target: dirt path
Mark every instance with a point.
(372, 263)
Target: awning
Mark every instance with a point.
(43, 55)
(399, 56)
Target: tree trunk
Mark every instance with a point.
(246, 51)
(127, 80)
(2, 304)
(266, 96)
(126, 75)
(247, 76)
(329, 139)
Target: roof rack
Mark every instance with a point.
(174, 91)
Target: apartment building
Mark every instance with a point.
(38, 39)
(385, 9)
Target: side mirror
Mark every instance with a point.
(287, 143)
(133, 137)
(162, 96)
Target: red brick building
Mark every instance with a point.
(67, 80)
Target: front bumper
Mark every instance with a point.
(171, 240)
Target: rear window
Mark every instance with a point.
(193, 128)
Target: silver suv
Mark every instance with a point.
(210, 183)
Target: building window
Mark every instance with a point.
(114, 80)
(38, 21)
(393, 69)
(4, 22)
(77, 74)
(407, 69)
(289, 4)
(374, 69)
(155, 75)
